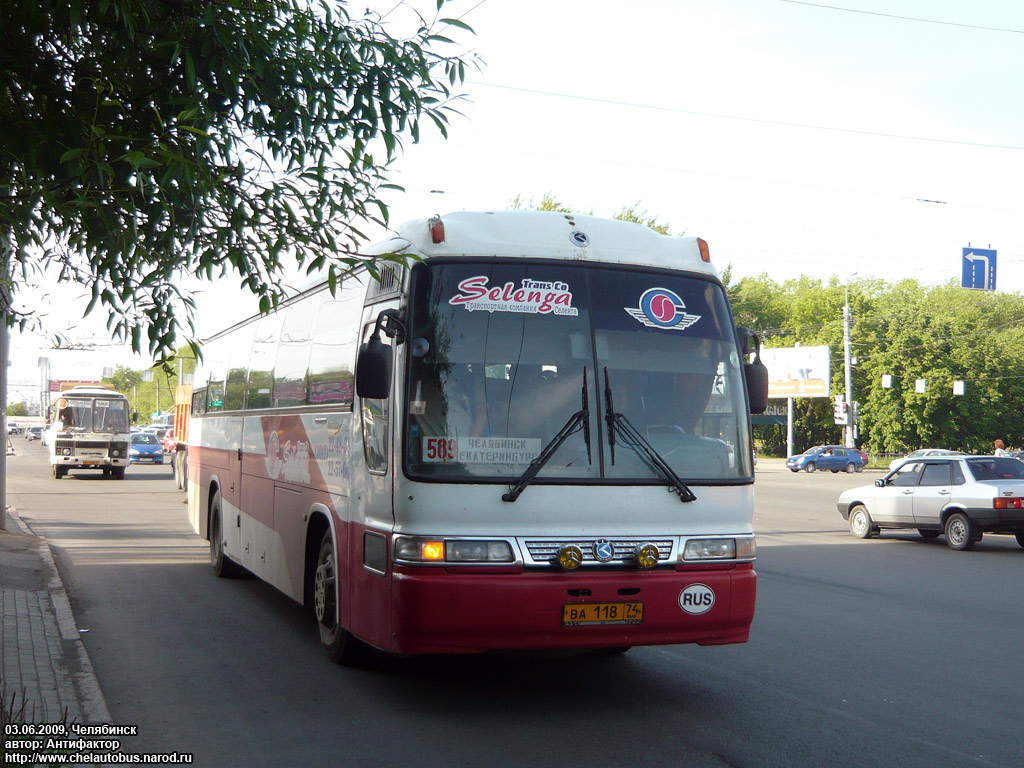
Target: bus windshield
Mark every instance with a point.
(502, 354)
(106, 414)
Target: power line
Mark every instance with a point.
(742, 118)
(904, 18)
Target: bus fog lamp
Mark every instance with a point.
(647, 555)
(710, 549)
(570, 557)
(478, 552)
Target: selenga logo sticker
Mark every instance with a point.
(534, 297)
(662, 308)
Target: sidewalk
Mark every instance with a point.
(43, 662)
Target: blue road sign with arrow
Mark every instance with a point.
(979, 269)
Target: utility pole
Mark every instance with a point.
(850, 416)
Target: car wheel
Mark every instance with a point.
(340, 645)
(835, 471)
(1019, 535)
(928, 533)
(223, 566)
(811, 466)
(860, 467)
(960, 532)
(860, 522)
(851, 468)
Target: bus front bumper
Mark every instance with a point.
(467, 610)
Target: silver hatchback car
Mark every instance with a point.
(959, 496)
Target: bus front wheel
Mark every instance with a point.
(341, 646)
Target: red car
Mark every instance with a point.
(168, 442)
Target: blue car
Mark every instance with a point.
(146, 449)
(834, 458)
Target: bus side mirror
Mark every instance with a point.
(373, 369)
(373, 366)
(756, 372)
(757, 385)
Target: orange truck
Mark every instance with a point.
(178, 444)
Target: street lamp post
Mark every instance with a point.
(848, 428)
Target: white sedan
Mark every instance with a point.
(921, 453)
(959, 496)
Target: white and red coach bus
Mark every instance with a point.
(535, 436)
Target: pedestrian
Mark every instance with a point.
(1000, 448)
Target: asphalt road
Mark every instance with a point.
(893, 651)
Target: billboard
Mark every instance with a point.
(797, 371)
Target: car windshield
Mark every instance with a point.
(996, 468)
(500, 354)
(147, 439)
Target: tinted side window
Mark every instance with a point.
(906, 475)
(958, 474)
(935, 474)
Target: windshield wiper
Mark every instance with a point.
(579, 420)
(619, 425)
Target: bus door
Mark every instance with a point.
(372, 505)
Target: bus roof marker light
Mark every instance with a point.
(436, 229)
(705, 252)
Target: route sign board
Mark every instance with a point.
(979, 269)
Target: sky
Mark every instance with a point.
(795, 138)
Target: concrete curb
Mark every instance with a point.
(87, 687)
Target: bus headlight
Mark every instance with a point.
(478, 552)
(720, 549)
(414, 549)
(65, 451)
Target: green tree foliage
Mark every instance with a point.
(143, 139)
(941, 334)
(17, 409)
(549, 202)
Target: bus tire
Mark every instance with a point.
(58, 471)
(223, 566)
(176, 470)
(340, 645)
(118, 473)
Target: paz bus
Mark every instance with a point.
(88, 429)
(534, 434)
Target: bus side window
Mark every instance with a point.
(375, 423)
(261, 363)
(293, 355)
(332, 360)
(238, 367)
